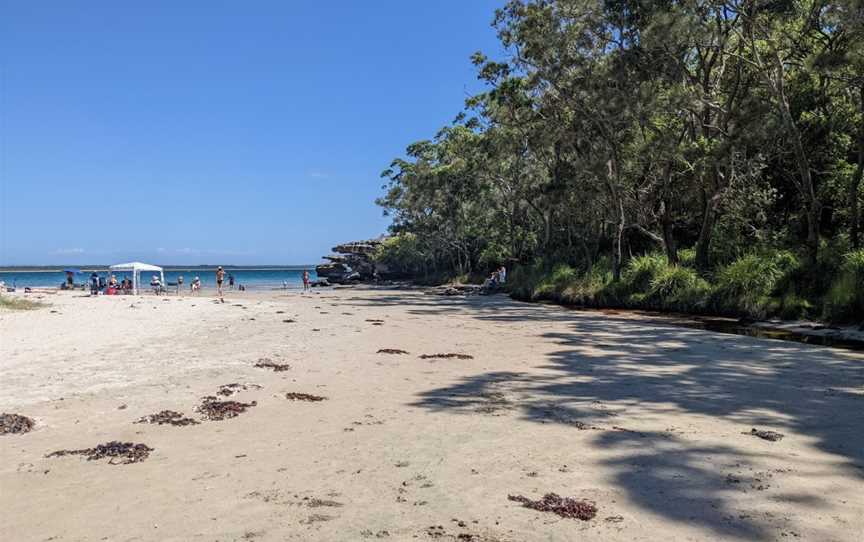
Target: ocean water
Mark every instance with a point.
(252, 279)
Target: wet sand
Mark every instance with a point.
(649, 422)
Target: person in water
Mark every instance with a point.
(230, 281)
(220, 277)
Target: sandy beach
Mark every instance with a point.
(648, 421)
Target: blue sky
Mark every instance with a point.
(217, 132)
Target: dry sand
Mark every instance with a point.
(647, 420)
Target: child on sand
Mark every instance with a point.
(305, 280)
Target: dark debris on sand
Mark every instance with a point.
(213, 409)
(293, 396)
(374, 321)
(773, 436)
(267, 363)
(227, 390)
(446, 356)
(15, 423)
(566, 507)
(168, 417)
(120, 453)
(392, 351)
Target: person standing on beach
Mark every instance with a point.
(230, 281)
(179, 284)
(220, 276)
(305, 280)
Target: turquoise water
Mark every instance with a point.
(253, 279)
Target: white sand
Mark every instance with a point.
(405, 445)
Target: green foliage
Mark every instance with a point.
(678, 288)
(746, 285)
(845, 300)
(687, 257)
(642, 270)
(401, 254)
(594, 144)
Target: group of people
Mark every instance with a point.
(99, 284)
(495, 280)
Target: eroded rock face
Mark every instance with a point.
(351, 263)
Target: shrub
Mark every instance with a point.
(746, 284)
(845, 300)
(687, 257)
(592, 288)
(641, 270)
(678, 288)
(555, 282)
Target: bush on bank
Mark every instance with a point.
(756, 285)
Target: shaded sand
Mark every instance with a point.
(649, 422)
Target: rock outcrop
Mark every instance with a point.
(353, 262)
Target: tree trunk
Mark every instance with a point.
(617, 241)
(589, 259)
(813, 208)
(668, 237)
(854, 211)
(703, 244)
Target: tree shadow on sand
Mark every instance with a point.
(608, 363)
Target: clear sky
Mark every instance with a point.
(215, 131)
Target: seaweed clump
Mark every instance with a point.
(446, 356)
(293, 396)
(168, 417)
(228, 390)
(773, 436)
(267, 363)
(119, 453)
(213, 409)
(15, 423)
(566, 507)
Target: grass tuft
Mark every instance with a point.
(18, 304)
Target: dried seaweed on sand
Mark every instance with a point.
(293, 396)
(120, 453)
(267, 363)
(168, 417)
(213, 409)
(566, 507)
(773, 436)
(15, 423)
(227, 390)
(446, 356)
(391, 351)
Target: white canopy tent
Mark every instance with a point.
(136, 268)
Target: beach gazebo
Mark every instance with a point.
(136, 268)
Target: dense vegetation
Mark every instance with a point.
(687, 155)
